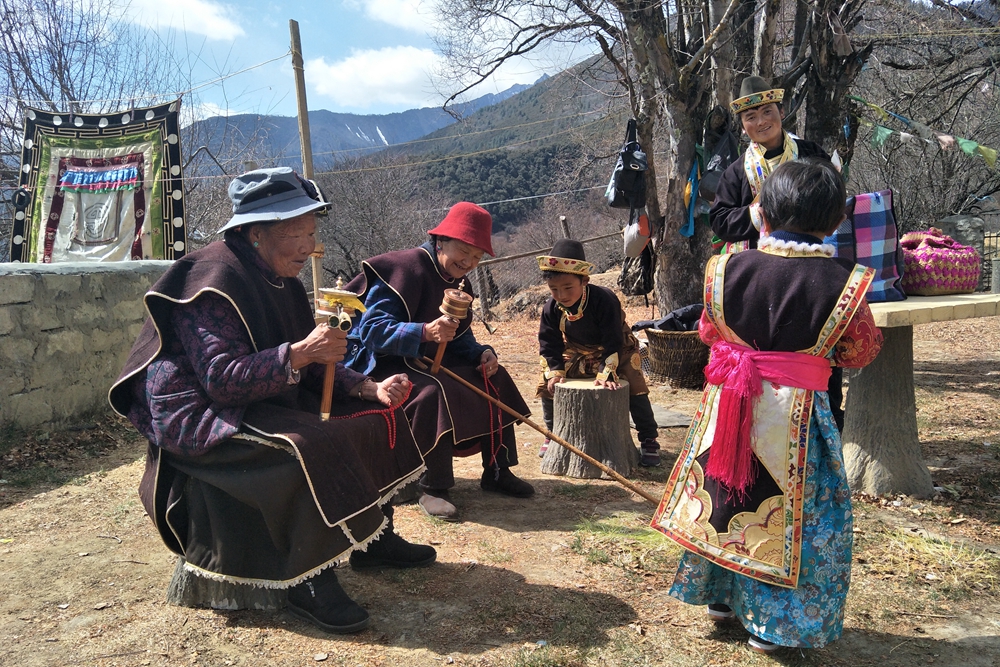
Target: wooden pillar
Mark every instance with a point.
(881, 447)
(596, 420)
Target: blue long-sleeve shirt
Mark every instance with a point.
(384, 330)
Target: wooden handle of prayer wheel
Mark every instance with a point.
(327, 403)
(436, 364)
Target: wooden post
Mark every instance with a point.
(596, 420)
(305, 140)
(995, 277)
(565, 227)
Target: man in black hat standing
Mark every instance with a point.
(734, 215)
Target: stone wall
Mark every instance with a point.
(65, 331)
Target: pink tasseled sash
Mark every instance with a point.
(740, 371)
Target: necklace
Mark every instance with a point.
(279, 286)
(573, 317)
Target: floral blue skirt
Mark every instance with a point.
(812, 614)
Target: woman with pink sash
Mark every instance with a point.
(758, 497)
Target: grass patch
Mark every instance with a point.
(939, 569)
(37, 475)
(574, 491)
(492, 554)
(625, 541)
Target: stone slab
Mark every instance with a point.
(666, 418)
(926, 309)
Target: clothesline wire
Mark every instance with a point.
(464, 134)
(153, 96)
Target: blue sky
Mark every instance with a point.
(362, 56)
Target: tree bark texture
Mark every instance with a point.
(187, 589)
(596, 421)
(881, 447)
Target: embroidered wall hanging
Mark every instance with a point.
(100, 187)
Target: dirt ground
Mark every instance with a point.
(569, 577)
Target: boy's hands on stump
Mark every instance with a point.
(551, 386)
(607, 384)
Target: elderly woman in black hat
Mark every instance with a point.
(243, 479)
(734, 214)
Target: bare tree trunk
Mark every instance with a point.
(680, 260)
(742, 30)
(881, 447)
(764, 40)
(595, 420)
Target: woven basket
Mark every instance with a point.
(677, 357)
(937, 264)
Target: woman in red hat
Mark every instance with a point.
(403, 291)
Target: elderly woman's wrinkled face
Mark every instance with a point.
(286, 245)
(457, 258)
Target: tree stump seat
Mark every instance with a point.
(596, 421)
(187, 589)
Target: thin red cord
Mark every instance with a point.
(495, 443)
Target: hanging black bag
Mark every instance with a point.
(724, 153)
(627, 188)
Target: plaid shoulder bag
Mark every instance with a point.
(870, 237)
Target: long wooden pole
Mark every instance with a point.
(550, 435)
(305, 144)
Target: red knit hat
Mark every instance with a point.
(468, 223)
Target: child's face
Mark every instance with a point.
(567, 288)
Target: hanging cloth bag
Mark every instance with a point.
(627, 187)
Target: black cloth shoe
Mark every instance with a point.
(506, 483)
(391, 550)
(322, 602)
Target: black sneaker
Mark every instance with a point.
(322, 602)
(762, 645)
(506, 483)
(391, 550)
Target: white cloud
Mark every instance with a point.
(398, 76)
(415, 15)
(202, 17)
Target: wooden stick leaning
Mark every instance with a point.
(549, 434)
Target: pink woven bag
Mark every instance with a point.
(937, 264)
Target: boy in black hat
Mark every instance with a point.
(583, 333)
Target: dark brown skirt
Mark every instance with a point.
(287, 497)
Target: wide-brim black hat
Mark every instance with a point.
(756, 92)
